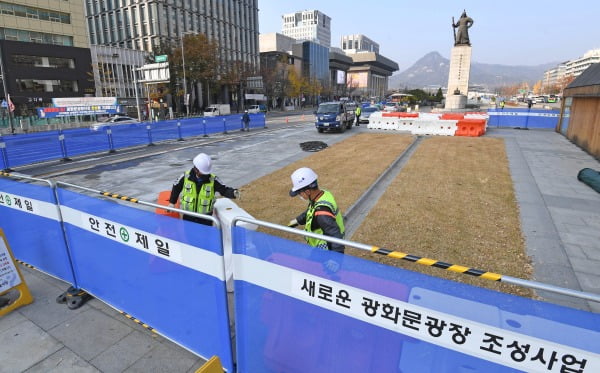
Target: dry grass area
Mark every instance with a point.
(453, 201)
(347, 169)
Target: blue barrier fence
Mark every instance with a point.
(164, 271)
(30, 217)
(293, 315)
(523, 118)
(22, 149)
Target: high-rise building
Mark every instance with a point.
(309, 25)
(43, 52)
(145, 24)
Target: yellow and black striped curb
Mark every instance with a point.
(24, 264)
(2, 173)
(138, 321)
(118, 196)
(436, 263)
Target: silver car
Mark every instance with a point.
(366, 112)
(113, 121)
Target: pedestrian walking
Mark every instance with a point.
(322, 215)
(197, 188)
(246, 121)
(358, 112)
(502, 104)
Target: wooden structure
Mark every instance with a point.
(580, 111)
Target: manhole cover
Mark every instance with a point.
(313, 146)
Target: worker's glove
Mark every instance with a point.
(293, 223)
(332, 266)
(237, 194)
(171, 205)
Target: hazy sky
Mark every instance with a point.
(506, 32)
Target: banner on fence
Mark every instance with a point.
(167, 273)
(11, 278)
(371, 317)
(29, 215)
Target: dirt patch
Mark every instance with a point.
(346, 169)
(453, 201)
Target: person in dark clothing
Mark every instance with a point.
(322, 215)
(246, 121)
(197, 188)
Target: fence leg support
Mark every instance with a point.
(204, 124)
(224, 126)
(179, 130)
(74, 298)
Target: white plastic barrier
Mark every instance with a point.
(225, 210)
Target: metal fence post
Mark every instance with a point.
(4, 155)
(224, 125)
(179, 130)
(111, 145)
(149, 130)
(63, 146)
(204, 125)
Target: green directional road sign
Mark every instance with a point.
(161, 58)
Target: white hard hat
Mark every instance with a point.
(302, 178)
(203, 163)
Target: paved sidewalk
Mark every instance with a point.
(561, 224)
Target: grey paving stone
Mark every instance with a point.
(590, 282)
(25, 345)
(90, 333)
(588, 266)
(124, 353)
(63, 361)
(575, 251)
(164, 358)
(592, 252)
(579, 239)
(11, 319)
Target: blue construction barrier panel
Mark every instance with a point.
(165, 272)
(293, 314)
(30, 219)
(18, 150)
(31, 148)
(523, 118)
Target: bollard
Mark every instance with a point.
(150, 143)
(204, 124)
(224, 126)
(179, 130)
(111, 145)
(63, 146)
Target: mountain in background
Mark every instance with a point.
(432, 70)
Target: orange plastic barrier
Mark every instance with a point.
(452, 116)
(163, 199)
(399, 114)
(470, 127)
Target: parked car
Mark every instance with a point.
(112, 121)
(366, 113)
(255, 109)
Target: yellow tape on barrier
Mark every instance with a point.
(438, 264)
(11, 279)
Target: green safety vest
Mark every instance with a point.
(201, 202)
(358, 111)
(327, 200)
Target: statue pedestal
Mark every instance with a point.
(458, 78)
(454, 102)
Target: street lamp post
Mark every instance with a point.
(137, 100)
(185, 97)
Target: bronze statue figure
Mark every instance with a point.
(462, 36)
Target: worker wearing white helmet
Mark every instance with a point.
(322, 215)
(197, 188)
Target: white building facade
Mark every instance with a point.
(308, 25)
(358, 43)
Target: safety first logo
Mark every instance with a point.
(141, 240)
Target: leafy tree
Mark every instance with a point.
(201, 56)
(234, 76)
(439, 96)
